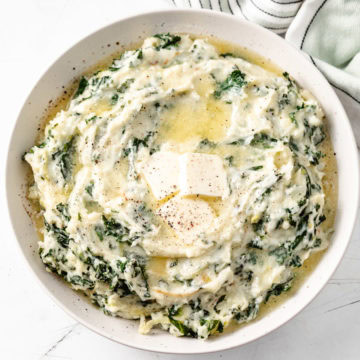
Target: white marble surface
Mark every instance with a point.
(32, 34)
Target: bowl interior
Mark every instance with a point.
(93, 49)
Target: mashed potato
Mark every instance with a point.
(181, 186)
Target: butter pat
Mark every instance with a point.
(202, 174)
(187, 217)
(161, 172)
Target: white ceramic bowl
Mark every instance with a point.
(93, 49)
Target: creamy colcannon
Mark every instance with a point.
(181, 186)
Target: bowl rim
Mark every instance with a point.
(200, 12)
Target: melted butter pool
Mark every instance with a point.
(203, 118)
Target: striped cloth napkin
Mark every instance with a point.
(275, 15)
(327, 30)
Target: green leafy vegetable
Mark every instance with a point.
(292, 145)
(82, 281)
(262, 140)
(228, 54)
(89, 189)
(207, 143)
(313, 156)
(220, 300)
(184, 330)
(174, 310)
(256, 168)
(125, 85)
(63, 209)
(293, 118)
(135, 143)
(235, 81)
(60, 234)
(278, 289)
(214, 326)
(81, 88)
(114, 99)
(64, 157)
(93, 118)
(139, 54)
(167, 41)
(111, 227)
(249, 313)
(291, 82)
(121, 265)
(230, 160)
(238, 142)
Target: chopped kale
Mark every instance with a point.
(174, 263)
(238, 142)
(167, 41)
(139, 54)
(229, 160)
(313, 156)
(291, 82)
(103, 81)
(235, 81)
(292, 145)
(64, 158)
(249, 313)
(114, 99)
(60, 234)
(277, 289)
(89, 189)
(144, 142)
(308, 182)
(321, 219)
(110, 227)
(93, 118)
(293, 118)
(255, 243)
(228, 54)
(115, 229)
(283, 252)
(301, 203)
(258, 226)
(279, 223)
(295, 261)
(315, 133)
(262, 140)
(121, 265)
(220, 300)
(82, 86)
(207, 143)
(301, 231)
(269, 189)
(280, 253)
(214, 326)
(82, 281)
(125, 85)
(174, 310)
(317, 243)
(318, 135)
(42, 145)
(154, 149)
(184, 330)
(135, 143)
(284, 101)
(99, 230)
(292, 115)
(63, 209)
(256, 168)
(104, 272)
